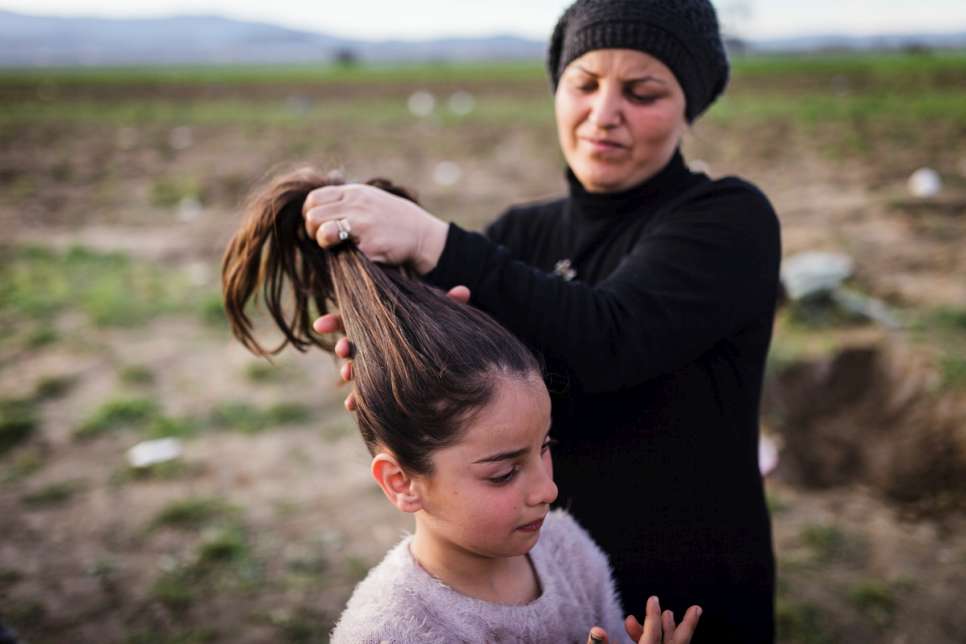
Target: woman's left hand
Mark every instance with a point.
(387, 228)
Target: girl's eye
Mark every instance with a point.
(549, 443)
(504, 478)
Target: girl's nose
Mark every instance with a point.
(544, 491)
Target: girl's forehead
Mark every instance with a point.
(517, 415)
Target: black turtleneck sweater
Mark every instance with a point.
(653, 309)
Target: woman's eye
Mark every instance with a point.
(643, 98)
(549, 443)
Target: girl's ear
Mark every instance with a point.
(398, 487)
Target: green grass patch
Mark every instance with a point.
(53, 387)
(875, 599)
(9, 577)
(178, 589)
(136, 374)
(223, 545)
(171, 427)
(829, 543)
(775, 502)
(52, 494)
(211, 310)
(948, 319)
(18, 421)
(168, 471)
(953, 371)
(262, 372)
(222, 560)
(247, 418)
(22, 465)
(896, 69)
(42, 336)
(118, 414)
(899, 68)
(799, 623)
(385, 112)
(357, 568)
(193, 513)
(37, 283)
(301, 626)
(52, 78)
(169, 192)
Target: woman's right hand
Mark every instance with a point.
(386, 228)
(332, 323)
(657, 628)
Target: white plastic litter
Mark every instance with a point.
(814, 273)
(767, 455)
(447, 173)
(925, 183)
(421, 103)
(154, 452)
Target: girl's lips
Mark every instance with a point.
(531, 527)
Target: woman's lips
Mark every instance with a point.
(531, 527)
(603, 145)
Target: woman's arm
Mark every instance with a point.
(701, 275)
(706, 271)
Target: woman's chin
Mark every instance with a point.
(603, 180)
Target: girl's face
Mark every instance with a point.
(489, 493)
(620, 116)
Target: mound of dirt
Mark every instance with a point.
(870, 414)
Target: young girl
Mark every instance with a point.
(455, 413)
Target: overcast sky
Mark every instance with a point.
(534, 18)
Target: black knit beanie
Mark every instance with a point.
(682, 34)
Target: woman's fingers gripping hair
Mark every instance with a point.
(322, 205)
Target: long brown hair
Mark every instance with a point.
(422, 363)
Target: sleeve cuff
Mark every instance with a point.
(463, 260)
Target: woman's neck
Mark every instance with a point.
(498, 580)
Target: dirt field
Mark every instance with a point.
(117, 199)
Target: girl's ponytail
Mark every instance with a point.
(423, 364)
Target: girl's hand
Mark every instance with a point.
(387, 228)
(661, 629)
(657, 628)
(332, 323)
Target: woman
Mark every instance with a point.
(650, 290)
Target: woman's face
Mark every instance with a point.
(620, 116)
(489, 492)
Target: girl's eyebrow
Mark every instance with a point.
(502, 456)
(507, 456)
(640, 79)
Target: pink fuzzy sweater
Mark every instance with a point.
(399, 602)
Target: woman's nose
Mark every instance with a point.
(605, 109)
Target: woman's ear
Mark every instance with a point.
(398, 487)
